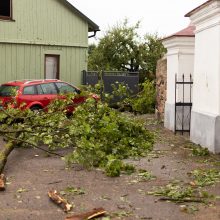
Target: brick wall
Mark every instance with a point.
(161, 87)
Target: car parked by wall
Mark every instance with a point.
(37, 94)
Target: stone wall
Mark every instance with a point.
(161, 87)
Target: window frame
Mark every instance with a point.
(16, 88)
(2, 17)
(35, 89)
(48, 84)
(71, 86)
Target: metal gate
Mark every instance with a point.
(183, 103)
(110, 77)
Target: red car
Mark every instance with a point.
(37, 94)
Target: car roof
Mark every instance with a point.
(30, 82)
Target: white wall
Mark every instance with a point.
(186, 66)
(180, 60)
(205, 123)
(206, 97)
(172, 69)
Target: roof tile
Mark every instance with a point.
(186, 32)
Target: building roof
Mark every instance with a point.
(92, 26)
(186, 32)
(198, 8)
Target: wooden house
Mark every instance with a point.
(43, 39)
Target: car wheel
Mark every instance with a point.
(35, 108)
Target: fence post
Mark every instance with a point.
(84, 72)
(101, 81)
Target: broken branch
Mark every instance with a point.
(182, 200)
(8, 148)
(98, 212)
(34, 145)
(2, 182)
(57, 199)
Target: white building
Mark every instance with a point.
(205, 67)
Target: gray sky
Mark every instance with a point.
(163, 16)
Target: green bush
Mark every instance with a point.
(123, 99)
(146, 99)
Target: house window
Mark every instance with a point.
(5, 9)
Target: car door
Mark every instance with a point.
(47, 92)
(27, 97)
(65, 88)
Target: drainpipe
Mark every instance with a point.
(92, 35)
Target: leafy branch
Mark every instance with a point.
(98, 135)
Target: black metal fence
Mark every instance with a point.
(183, 103)
(110, 77)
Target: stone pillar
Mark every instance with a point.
(180, 60)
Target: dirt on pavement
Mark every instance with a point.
(31, 174)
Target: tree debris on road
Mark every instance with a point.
(98, 212)
(2, 182)
(56, 198)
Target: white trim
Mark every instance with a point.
(179, 42)
(179, 53)
(208, 13)
(207, 27)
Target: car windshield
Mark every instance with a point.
(7, 90)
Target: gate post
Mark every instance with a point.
(180, 59)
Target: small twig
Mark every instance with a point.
(34, 145)
(11, 116)
(27, 117)
(59, 181)
(15, 131)
(47, 151)
(182, 200)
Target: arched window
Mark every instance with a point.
(6, 9)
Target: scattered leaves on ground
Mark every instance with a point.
(145, 175)
(197, 150)
(70, 190)
(202, 177)
(174, 191)
(21, 190)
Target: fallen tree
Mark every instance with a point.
(98, 135)
(30, 129)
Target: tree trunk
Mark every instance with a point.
(4, 153)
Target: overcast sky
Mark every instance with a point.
(163, 16)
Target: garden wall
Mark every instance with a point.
(161, 87)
